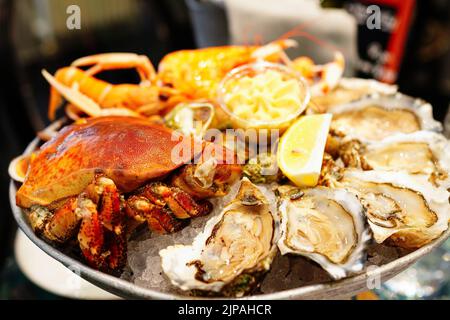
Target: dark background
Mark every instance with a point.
(153, 28)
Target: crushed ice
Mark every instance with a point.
(287, 272)
(144, 262)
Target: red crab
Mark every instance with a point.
(100, 177)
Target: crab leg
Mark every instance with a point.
(164, 208)
(158, 218)
(117, 247)
(109, 207)
(223, 175)
(180, 203)
(103, 220)
(139, 209)
(91, 234)
(58, 226)
(112, 61)
(64, 222)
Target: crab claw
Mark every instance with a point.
(72, 95)
(91, 239)
(158, 218)
(112, 61)
(102, 232)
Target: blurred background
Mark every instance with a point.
(34, 35)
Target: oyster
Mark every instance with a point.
(405, 209)
(375, 118)
(325, 225)
(191, 118)
(235, 249)
(352, 89)
(421, 152)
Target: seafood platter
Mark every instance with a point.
(232, 172)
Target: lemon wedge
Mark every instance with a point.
(301, 148)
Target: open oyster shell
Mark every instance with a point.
(191, 118)
(325, 225)
(405, 209)
(375, 118)
(421, 152)
(352, 89)
(235, 249)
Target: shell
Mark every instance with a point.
(221, 266)
(353, 89)
(368, 86)
(18, 168)
(347, 253)
(191, 118)
(404, 152)
(405, 209)
(377, 117)
(128, 150)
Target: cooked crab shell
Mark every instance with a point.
(375, 118)
(421, 152)
(234, 250)
(405, 209)
(325, 225)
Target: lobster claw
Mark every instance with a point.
(78, 101)
(82, 102)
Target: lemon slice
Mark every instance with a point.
(301, 149)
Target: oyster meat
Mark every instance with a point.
(325, 225)
(421, 152)
(375, 118)
(235, 249)
(408, 210)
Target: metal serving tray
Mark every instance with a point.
(331, 290)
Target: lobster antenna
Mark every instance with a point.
(298, 31)
(258, 39)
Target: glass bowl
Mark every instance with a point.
(251, 70)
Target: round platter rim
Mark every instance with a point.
(126, 289)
